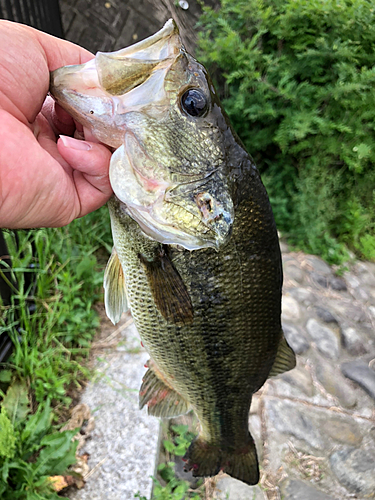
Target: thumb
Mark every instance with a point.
(90, 164)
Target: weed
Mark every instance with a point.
(31, 450)
(297, 81)
(171, 487)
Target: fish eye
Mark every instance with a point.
(91, 112)
(194, 102)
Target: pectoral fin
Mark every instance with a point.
(168, 290)
(115, 299)
(285, 359)
(161, 399)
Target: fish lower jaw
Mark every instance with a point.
(165, 233)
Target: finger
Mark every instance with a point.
(29, 57)
(90, 163)
(60, 121)
(89, 136)
(47, 139)
(60, 52)
(35, 191)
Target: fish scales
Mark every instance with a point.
(196, 256)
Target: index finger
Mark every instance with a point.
(26, 64)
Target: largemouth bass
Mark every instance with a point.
(196, 256)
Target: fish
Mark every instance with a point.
(196, 256)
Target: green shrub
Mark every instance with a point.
(297, 78)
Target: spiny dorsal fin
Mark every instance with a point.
(115, 299)
(285, 359)
(161, 399)
(168, 290)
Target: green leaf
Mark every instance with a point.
(5, 375)
(37, 425)
(16, 402)
(3, 487)
(5, 471)
(58, 453)
(86, 267)
(169, 446)
(180, 491)
(7, 436)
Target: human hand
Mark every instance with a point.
(44, 182)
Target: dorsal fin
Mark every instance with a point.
(168, 290)
(115, 299)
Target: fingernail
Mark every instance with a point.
(70, 142)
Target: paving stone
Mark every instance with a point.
(361, 373)
(324, 338)
(319, 279)
(317, 265)
(303, 296)
(355, 468)
(289, 258)
(293, 272)
(299, 422)
(366, 272)
(328, 281)
(325, 315)
(351, 280)
(295, 338)
(300, 379)
(334, 383)
(344, 309)
(295, 489)
(228, 488)
(353, 341)
(338, 284)
(360, 294)
(290, 308)
(343, 430)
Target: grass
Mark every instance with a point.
(58, 275)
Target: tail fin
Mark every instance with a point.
(207, 460)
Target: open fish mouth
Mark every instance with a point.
(126, 99)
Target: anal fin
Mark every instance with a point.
(161, 399)
(168, 290)
(115, 299)
(285, 359)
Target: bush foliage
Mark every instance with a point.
(298, 82)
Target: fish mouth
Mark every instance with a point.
(101, 92)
